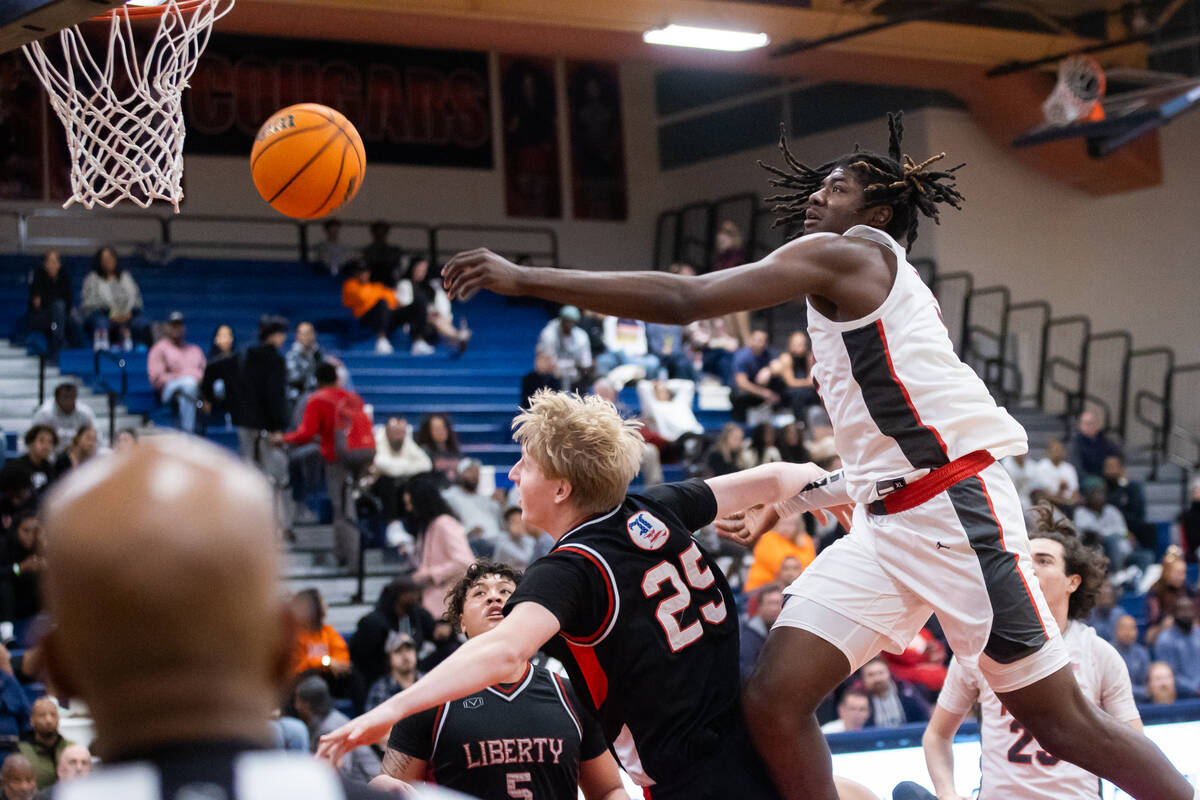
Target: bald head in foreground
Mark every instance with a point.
(163, 587)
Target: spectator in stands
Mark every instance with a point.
(570, 348)
(1160, 684)
(439, 317)
(376, 306)
(336, 416)
(180, 656)
(853, 711)
(43, 745)
(17, 779)
(332, 254)
(762, 449)
(731, 252)
(1127, 496)
(222, 347)
(38, 460)
(14, 712)
(223, 343)
(125, 439)
(402, 660)
(51, 298)
(1179, 646)
(592, 323)
(84, 444)
(398, 610)
(789, 569)
(1106, 612)
(381, 259)
(726, 454)
(754, 631)
(667, 409)
(436, 437)
(175, 368)
(1135, 656)
(517, 547)
(792, 367)
(64, 413)
(791, 443)
(542, 376)
(1089, 446)
(668, 343)
(752, 379)
(441, 542)
(74, 762)
(320, 649)
(397, 458)
(16, 496)
(715, 346)
(111, 303)
(1096, 519)
(24, 566)
(1189, 525)
(1024, 476)
(789, 539)
(1057, 477)
(922, 662)
(314, 705)
(892, 704)
(302, 360)
(479, 513)
(1165, 592)
(625, 345)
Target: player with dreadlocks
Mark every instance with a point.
(937, 525)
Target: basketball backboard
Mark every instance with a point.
(1128, 115)
(23, 21)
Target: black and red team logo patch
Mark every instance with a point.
(647, 531)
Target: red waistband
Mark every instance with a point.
(933, 484)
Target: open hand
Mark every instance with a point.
(472, 270)
(365, 730)
(747, 527)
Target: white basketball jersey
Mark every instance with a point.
(900, 400)
(1013, 765)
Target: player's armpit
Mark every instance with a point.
(402, 766)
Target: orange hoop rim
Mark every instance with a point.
(147, 12)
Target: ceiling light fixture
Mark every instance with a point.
(707, 38)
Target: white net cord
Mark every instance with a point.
(123, 114)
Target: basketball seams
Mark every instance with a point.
(336, 182)
(355, 146)
(307, 164)
(281, 137)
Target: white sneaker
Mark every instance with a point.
(383, 347)
(422, 348)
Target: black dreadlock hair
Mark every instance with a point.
(893, 180)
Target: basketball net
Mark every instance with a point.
(123, 113)
(1078, 93)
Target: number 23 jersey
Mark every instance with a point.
(1013, 763)
(649, 631)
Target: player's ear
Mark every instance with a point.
(1073, 582)
(879, 216)
(563, 491)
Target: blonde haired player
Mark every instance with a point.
(1013, 763)
(641, 617)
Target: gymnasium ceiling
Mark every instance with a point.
(948, 45)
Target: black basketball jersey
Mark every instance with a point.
(525, 739)
(649, 629)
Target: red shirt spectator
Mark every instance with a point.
(332, 409)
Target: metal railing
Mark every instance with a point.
(114, 393)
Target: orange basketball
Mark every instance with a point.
(307, 161)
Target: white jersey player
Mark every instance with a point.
(1013, 764)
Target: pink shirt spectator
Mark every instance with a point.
(445, 556)
(168, 361)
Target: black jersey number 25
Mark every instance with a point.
(1015, 754)
(697, 576)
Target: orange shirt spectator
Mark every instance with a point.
(320, 649)
(361, 296)
(772, 549)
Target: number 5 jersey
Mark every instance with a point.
(649, 631)
(1013, 763)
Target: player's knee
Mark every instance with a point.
(772, 695)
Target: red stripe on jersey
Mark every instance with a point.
(512, 687)
(566, 698)
(887, 355)
(593, 673)
(610, 591)
(1016, 556)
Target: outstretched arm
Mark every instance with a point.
(938, 744)
(766, 484)
(821, 264)
(484, 660)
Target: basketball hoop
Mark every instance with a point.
(123, 114)
(1078, 93)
